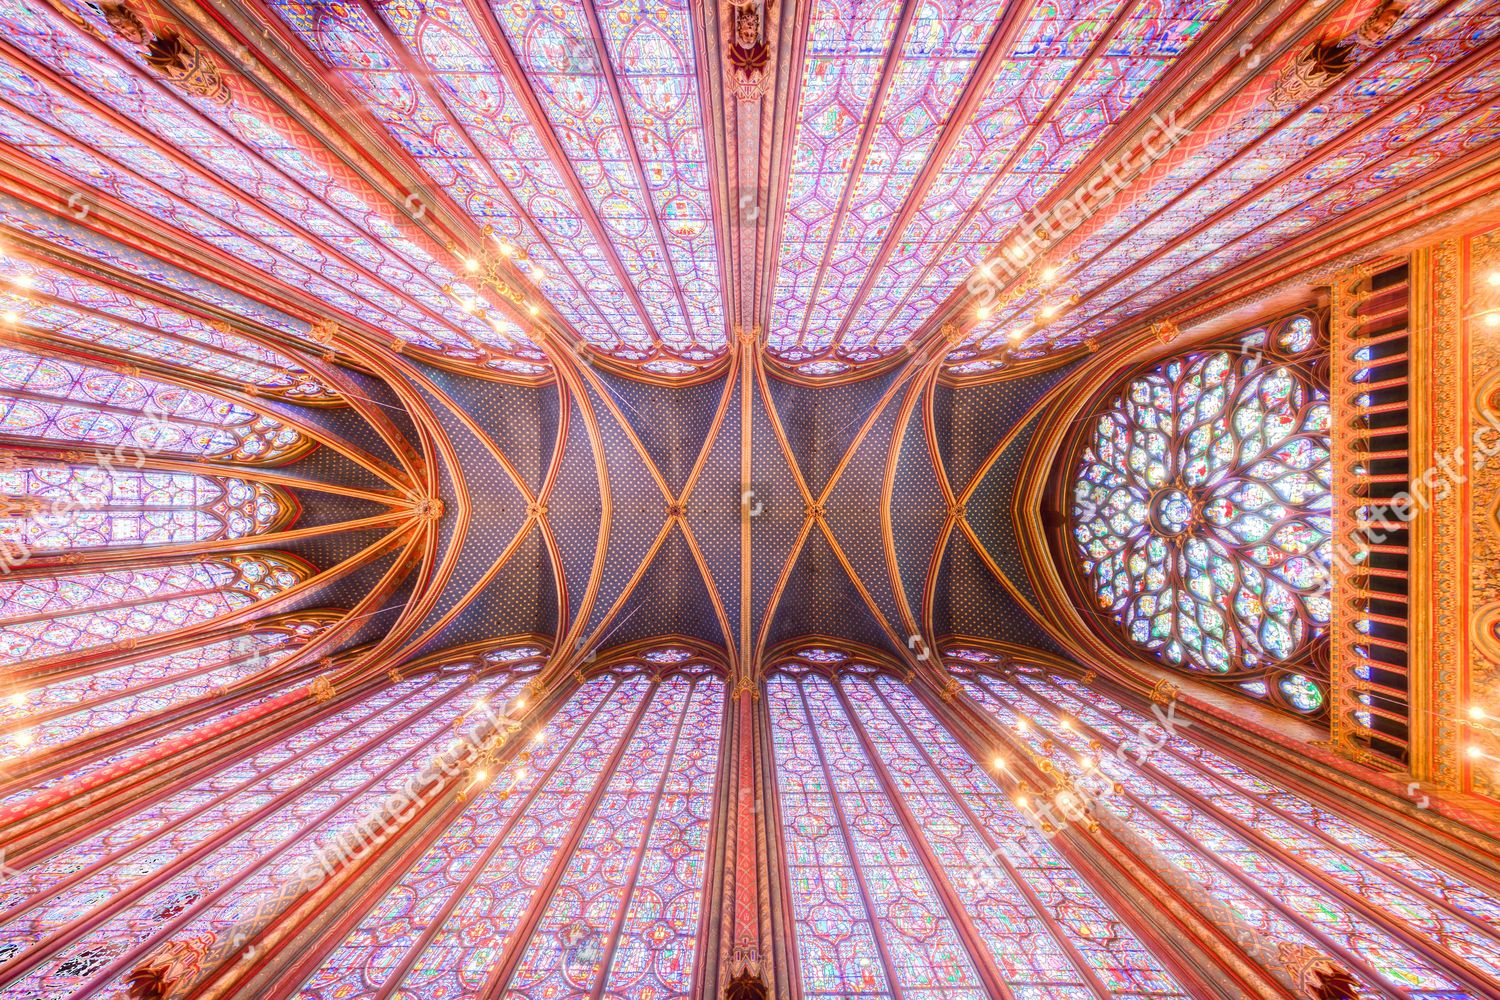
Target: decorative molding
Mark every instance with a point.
(1464, 301)
(1437, 423)
(748, 27)
(1348, 292)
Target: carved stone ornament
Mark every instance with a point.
(748, 48)
(1165, 331)
(1316, 975)
(125, 22)
(1326, 61)
(321, 689)
(188, 66)
(744, 975)
(323, 331)
(1164, 692)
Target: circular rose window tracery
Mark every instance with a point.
(1201, 509)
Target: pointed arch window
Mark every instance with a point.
(49, 399)
(55, 508)
(1295, 874)
(583, 864)
(910, 872)
(40, 713)
(60, 305)
(183, 866)
(46, 616)
(1201, 506)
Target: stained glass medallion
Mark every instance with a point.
(1200, 512)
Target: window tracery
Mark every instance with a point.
(910, 871)
(1294, 871)
(1201, 513)
(46, 616)
(43, 712)
(129, 418)
(583, 860)
(55, 302)
(57, 508)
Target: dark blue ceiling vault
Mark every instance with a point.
(742, 512)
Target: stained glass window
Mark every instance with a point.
(47, 616)
(45, 713)
(883, 220)
(1292, 870)
(1201, 511)
(249, 181)
(183, 865)
(885, 817)
(627, 257)
(47, 508)
(581, 866)
(42, 299)
(127, 419)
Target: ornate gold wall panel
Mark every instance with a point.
(1467, 300)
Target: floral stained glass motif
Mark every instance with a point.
(53, 615)
(129, 418)
(1201, 512)
(614, 799)
(47, 508)
(1283, 863)
(885, 815)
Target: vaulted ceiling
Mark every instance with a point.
(729, 322)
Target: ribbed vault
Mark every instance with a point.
(685, 379)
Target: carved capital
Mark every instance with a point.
(321, 689)
(1164, 692)
(1165, 331)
